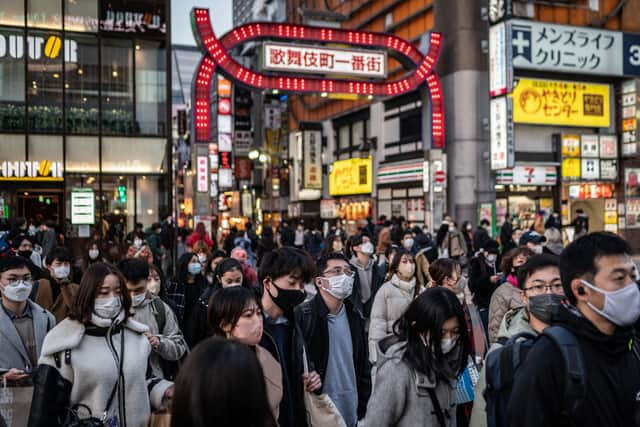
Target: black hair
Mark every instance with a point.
(535, 263)
(156, 225)
(424, 318)
(226, 306)
(59, 253)
(393, 267)
(163, 280)
(323, 262)
(442, 268)
(13, 263)
(16, 241)
(207, 395)
(134, 269)
(484, 222)
(580, 257)
(228, 264)
(183, 266)
(284, 261)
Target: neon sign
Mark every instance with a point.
(217, 58)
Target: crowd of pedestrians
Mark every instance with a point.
(387, 326)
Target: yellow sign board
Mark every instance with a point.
(611, 217)
(571, 168)
(352, 176)
(554, 102)
(570, 145)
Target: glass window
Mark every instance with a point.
(117, 203)
(117, 86)
(81, 15)
(82, 154)
(12, 148)
(45, 147)
(147, 199)
(357, 130)
(133, 155)
(12, 13)
(44, 13)
(411, 127)
(44, 81)
(81, 84)
(343, 137)
(11, 80)
(151, 90)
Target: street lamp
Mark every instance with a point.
(263, 158)
(254, 154)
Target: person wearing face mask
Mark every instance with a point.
(283, 273)
(22, 245)
(140, 249)
(236, 315)
(157, 285)
(185, 291)
(392, 299)
(94, 254)
(334, 336)
(248, 272)
(97, 352)
(419, 364)
(227, 274)
(56, 293)
(369, 277)
(600, 281)
(167, 342)
(332, 244)
(23, 325)
(408, 242)
(541, 293)
(507, 294)
(484, 278)
(533, 240)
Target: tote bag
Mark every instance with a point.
(320, 409)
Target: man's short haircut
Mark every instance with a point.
(535, 263)
(13, 263)
(59, 253)
(323, 262)
(579, 258)
(134, 269)
(284, 261)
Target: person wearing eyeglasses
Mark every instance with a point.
(332, 325)
(541, 292)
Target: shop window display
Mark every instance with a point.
(81, 84)
(12, 98)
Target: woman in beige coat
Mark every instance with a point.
(234, 313)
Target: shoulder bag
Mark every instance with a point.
(320, 409)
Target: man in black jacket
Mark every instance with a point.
(600, 281)
(333, 330)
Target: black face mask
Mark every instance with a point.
(25, 254)
(544, 307)
(287, 299)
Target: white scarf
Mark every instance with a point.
(101, 322)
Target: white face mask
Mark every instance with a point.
(340, 286)
(448, 344)
(537, 249)
(492, 258)
(61, 272)
(18, 291)
(202, 258)
(93, 253)
(232, 284)
(107, 308)
(136, 300)
(621, 307)
(367, 248)
(408, 244)
(153, 286)
(407, 269)
(137, 243)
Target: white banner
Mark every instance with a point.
(497, 60)
(501, 133)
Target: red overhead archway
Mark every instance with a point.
(218, 59)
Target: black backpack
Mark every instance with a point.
(502, 364)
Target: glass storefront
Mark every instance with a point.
(83, 105)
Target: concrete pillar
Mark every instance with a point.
(463, 70)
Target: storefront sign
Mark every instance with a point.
(224, 124)
(590, 169)
(224, 106)
(498, 67)
(225, 178)
(134, 16)
(589, 145)
(528, 175)
(224, 142)
(38, 47)
(242, 141)
(314, 59)
(243, 168)
(633, 213)
(553, 102)
(562, 48)
(328, 209)
(352, 176)
(202, 174)
(570, 169)
(401, 173)
(570, 145)
(609, 170)
(45, 170)
(312, 159)
(83, 209)
(631, 183)
(502, 144)
(608, 146)
(224, 87)
(590, 191)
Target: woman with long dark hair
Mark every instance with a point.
(221, 384)
(420, 363)
(235, 313)
(188, 287)
(95, 361)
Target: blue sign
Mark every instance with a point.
(631, 54)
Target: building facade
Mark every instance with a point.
(84, 108)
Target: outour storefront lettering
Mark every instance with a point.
(12, 46)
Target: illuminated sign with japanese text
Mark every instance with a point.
(352, 176)
(552, 102)
(217, 58)
(314, 59)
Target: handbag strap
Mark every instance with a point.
(436, 406)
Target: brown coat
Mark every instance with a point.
(62, 305)
(272, 378)
(422, 270)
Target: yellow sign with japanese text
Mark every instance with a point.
(352, 176)
(571, 168)
(555, 102)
